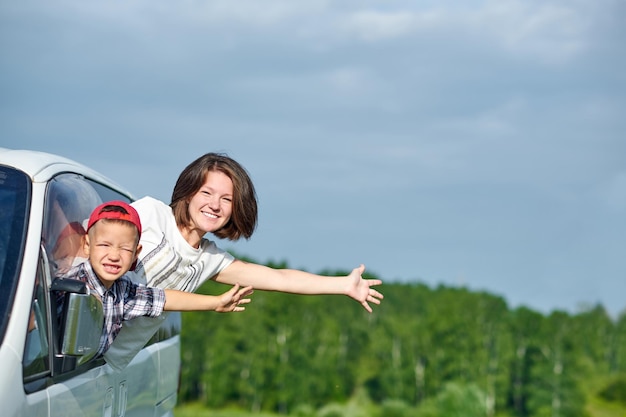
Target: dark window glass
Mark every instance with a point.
(15, 191)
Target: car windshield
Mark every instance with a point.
(15, 191)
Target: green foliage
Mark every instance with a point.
(598, 407)
(619, 345)
(555, 369)
(424, 351)
(616, 390)
(199, 410)
(397, 408)
(303, 410)
(456, 400)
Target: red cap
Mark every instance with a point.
(99, 214)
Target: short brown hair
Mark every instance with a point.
(244, 216)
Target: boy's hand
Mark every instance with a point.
(233, 299)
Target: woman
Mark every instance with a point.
(214, 194)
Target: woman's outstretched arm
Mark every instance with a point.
(300, 282)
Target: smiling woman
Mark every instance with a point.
(209, 209)
(214, 194)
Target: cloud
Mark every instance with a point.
(551, 31)
(373, 25)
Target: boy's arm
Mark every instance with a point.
(231, 300)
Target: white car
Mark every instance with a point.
(47, 363)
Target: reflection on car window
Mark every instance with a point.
(69, 201)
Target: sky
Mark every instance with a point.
(460, 143)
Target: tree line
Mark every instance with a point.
(287, 351)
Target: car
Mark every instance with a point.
(48, 365)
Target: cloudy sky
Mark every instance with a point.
(473, 143)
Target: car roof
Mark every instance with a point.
(41, 166)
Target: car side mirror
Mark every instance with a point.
(82, 319)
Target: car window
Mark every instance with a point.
(15, 191)
(68, 203)
(70, 198)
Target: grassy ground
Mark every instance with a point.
(599, 408)
(596, 408)
(198, 410)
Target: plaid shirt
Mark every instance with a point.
(125, 300)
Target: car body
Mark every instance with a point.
(47, 363)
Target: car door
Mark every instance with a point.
(55, 382)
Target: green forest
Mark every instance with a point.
(424, 352)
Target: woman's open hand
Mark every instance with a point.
(360, 289)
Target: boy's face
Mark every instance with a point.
(112, 248)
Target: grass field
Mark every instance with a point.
(198, 410)
(596, 408)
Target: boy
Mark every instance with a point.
(112, 247)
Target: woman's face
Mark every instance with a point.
(211, 207)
